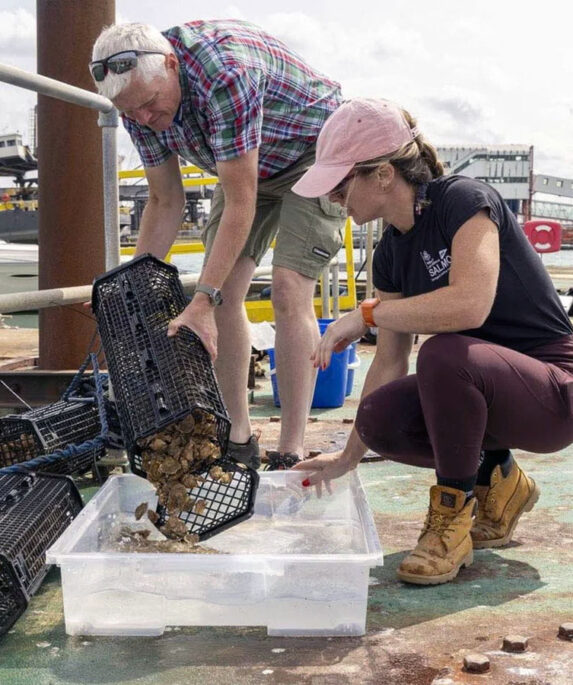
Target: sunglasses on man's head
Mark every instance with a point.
(119, 63)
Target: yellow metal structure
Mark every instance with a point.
(25, 205)
(257, 310)
(191, 176)
(176, 248)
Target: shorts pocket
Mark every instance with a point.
(326, 239)
(331, 208)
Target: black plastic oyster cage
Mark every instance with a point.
(156, 380)
(159, 381)
(44, 430)
(35, 509)
(224, 504)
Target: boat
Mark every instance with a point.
(18, 205)
(16, 159)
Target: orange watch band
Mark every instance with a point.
(367, 310)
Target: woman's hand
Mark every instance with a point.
(325, 468)
(337, 336)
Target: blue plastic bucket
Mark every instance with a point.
(275, 387)
(330, 389)
(353, 364)
(353, 359)
(331, 384)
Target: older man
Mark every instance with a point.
(237, 102)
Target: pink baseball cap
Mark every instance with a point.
(359, 130)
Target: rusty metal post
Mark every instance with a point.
(71, 233)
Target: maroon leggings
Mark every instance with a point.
(468, 394)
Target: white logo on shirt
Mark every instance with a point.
(437, 267)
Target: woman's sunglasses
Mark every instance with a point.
(340, 189)
(119, 63)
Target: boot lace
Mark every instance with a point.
(486, 502)
(436, 522)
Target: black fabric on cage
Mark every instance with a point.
(35, 509)
(156, 380)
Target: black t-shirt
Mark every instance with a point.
(526, 310)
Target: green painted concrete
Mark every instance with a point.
(413, 633)
(526, 583)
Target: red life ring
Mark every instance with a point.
(545, 236)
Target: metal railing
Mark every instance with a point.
(57, 297)
(108, 122)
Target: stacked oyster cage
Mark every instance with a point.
(35, 509)
(167, 396)
(45, 430)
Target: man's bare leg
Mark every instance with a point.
(296, 337)
(234, 348)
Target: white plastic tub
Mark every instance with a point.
(299, 566)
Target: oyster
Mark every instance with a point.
(140, 510)
(172, 458)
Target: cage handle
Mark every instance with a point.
(17, 493)
(16, 394)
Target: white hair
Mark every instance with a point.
(120, 37)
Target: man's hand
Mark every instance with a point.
(199, 316)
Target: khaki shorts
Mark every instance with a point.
(308, 231)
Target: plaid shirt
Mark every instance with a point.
(241, 89)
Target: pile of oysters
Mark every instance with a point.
(171, 459)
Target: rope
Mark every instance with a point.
(78, 377)
(74, 450)
(15, 394)
(100, 397)
(65, 453)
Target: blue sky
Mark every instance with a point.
(473, 73)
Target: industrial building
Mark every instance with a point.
(510, 169)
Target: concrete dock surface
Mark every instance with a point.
(415, 635)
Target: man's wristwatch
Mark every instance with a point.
(214, 294)
(367, 310)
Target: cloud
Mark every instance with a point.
(343, 51)
(17, 33)
(458, 108)
(488, 74)
(17, 48)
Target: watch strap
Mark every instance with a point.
(214, 294)
(367, 309)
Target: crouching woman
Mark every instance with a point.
(497, 372)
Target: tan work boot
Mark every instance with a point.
(445, 544)
(501, 504)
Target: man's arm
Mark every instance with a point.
(238, 178)
(163, 212)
